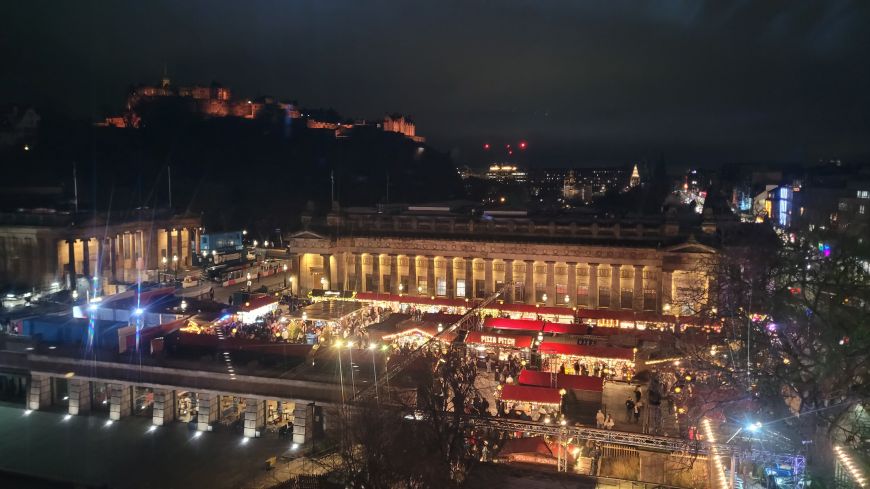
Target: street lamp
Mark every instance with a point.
(165, 267)
(175, 261)
(255, 243)
(285, 275)
(248, 278)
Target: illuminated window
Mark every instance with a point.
(864, 194)
(861, 209)
(460, 288)
(626, 298)
(440, 286)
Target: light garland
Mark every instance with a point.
(714, 452)
(846, 461)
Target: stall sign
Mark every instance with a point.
(498, 340)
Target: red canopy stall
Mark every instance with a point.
(608, 361)
(499, 345)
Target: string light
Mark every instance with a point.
(846, 461)
(714, 452)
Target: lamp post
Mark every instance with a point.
(248, 278)
(175, 261)
(165, 267)
(285, 275)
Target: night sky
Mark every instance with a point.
(583, 82)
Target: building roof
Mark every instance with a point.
(603, 352)
(524, 393)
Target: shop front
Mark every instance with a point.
(499, 346)
(186, 406)
(413, 334)
(610, 362)
(143, 401)
(542, 404)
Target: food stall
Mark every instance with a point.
(499, 345)
(508, 324)
(406, 302)
(607, 361)
(584, 387)
(412, 334)
(253, 309)
(535, 402)
(558, 314)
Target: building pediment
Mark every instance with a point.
(305, 234)
(690, 246)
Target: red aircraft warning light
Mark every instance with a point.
(486, 146)
(523, 145)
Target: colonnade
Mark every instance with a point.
(119, 401)
(617, 286)
(119, 256)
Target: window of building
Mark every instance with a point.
(864, 194)
(422, 285)
(626, 298)
(480, 289)
(562, 297)
(582, 295)
(403, 284)
(604, 271)
(861, 209)
(441, 286)
(460, 288)
(540, 293)
(519, 292)
(371, 286)
(603, 296)
(649, 300)
(388, 283)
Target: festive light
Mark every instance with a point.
(714, 452)
(854, 469)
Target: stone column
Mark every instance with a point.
(593, 286)
(572, 284)
(358, 282)
(615, 289)
(327, 270)
(376, 273)
(667, 292)
(208, 407)
(168, 245)
(412, 274)
(341, 271)
(86, 258)
(508, 281)
(39, 395)
(487, 276)
(394, 274)
(448, 277)
(120, 401)
(530, 283)
(469, 278)
(79, 396)
(101, 249)
(551, 283)
(164, 407)
(113, 257)
(430, 275)
(255, 417)
(179, 246)
(71, 250)
(297, 268)
(121, 238)
(638, 287)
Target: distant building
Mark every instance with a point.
(402, 125)
(505, 173)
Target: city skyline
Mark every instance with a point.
(694, 83)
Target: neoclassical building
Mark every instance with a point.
(439, 251)
(37, 249)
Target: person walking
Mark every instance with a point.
(599, 419)
(629, 410)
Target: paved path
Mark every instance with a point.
(126, 456)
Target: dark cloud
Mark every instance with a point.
(582, 81)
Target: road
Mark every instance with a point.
(222, 294)
(126, 455)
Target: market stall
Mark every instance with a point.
(406, 303)
(536, 403)
(411, 334)
(584, 387)
(558, 314)
(601, 361)
(255, 308)
(508, 324)
(499, 345)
